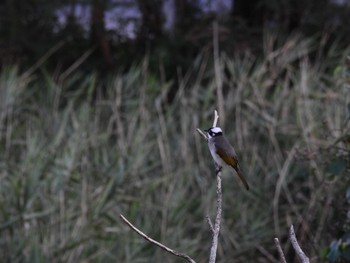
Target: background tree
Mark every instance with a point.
(32, 27)
(151, 22)
(26, 27)
(187, 14)
(98, 30)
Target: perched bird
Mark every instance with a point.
(222, 152)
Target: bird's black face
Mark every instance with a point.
(214, 132)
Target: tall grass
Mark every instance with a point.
(71, 159)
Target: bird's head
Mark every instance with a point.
(214, 132)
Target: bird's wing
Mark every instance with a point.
(228, 158)
(231, 160)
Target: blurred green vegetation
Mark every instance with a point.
(72, 158)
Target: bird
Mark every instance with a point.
(223, 152)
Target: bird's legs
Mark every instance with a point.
(218, 168)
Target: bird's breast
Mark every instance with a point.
(215, 156)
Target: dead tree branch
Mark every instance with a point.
(215, 229)
(167, 249)
(293, 239)
(280, 251)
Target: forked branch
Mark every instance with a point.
(215, 229)
(216, 117)
(293, 239)
(280, 251)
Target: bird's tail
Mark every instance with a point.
(239, 173)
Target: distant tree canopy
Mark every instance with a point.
(28, 29)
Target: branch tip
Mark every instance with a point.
(293, 239)
(202, 133)
(216, 117)
(280, 251)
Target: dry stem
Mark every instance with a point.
(280, 251)
(202, 133)
(215, 229)
(169, 250)
(216, 117)
(294, 241)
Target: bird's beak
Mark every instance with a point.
(206, 130)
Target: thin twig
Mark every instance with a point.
(216, 117)
(202, 133)
(270, 258)
(214, 244)
(169, 250)
(294, 241)
(280, 251)
(210, 225)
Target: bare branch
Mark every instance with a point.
(202, 133)
(280, 251)
(210, 225)
(216, 117)
(169, 250)
(215, 229)
(214, 244)
(294, 241)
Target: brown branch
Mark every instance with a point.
(169, 250)
(280, 251)
(293, 239)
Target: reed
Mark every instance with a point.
(72, 160)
